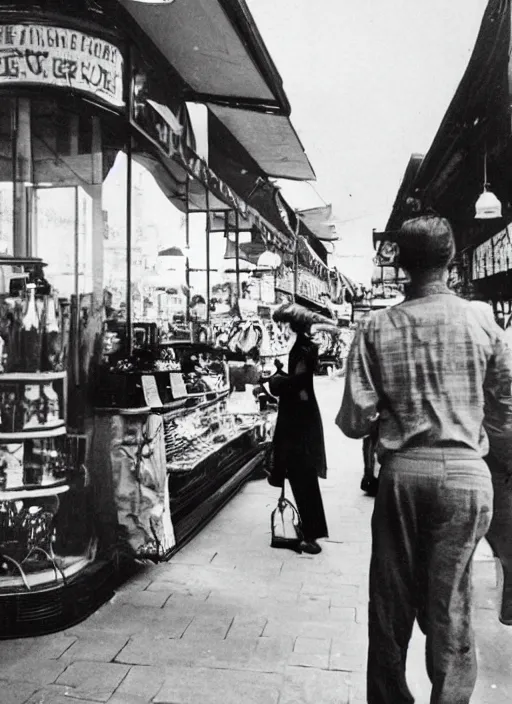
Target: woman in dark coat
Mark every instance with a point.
(298, 446)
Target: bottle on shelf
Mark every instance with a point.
(52, 338)
(30, 335)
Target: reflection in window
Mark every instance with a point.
(158, 251)
(114, 239)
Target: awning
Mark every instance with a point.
(270, 140)
(168, 116)
(215, 47)
(319, 221)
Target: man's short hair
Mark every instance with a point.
(425, 242)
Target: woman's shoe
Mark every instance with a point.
(310, 546)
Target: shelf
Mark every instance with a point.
(34, 434)
(70, 566)
(33, 377)
(17, 494)
(20, 261)
(139, 411)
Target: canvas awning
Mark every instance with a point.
(269, 139)
(319, 221)
(215, 47)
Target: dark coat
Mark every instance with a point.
(298, 443)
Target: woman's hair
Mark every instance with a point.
(300, 326)
(425, 242)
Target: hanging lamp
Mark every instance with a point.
(269, 260)
(487, 207)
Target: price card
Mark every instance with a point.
(178, 387)
(150, 389)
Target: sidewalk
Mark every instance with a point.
(231, 621)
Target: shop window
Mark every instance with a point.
(158, 261)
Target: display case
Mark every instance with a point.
(47, 539)
(188, 442)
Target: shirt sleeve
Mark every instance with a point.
(498, 401)
(358, 412)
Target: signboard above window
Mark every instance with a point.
(35, 54)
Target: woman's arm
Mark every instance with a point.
(281, 384)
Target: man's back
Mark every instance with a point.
(429, 358)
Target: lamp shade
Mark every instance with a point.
(487, 206)
(171, 252)
(269, 260)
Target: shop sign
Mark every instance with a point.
(63, 58)
(494, 256)
(311, 287)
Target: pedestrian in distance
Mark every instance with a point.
(298, 449)
(436, 373)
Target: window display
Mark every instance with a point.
(42, 469)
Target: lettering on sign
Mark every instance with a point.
(63, 58)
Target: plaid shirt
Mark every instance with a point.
(435, 371)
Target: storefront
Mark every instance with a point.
(125, 319)
(469, 160)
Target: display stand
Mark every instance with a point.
(172, 468)
(49, 576)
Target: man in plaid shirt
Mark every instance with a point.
(435, 373)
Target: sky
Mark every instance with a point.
(369, 82)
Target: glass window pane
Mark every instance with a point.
(6, 176)
(159, 263)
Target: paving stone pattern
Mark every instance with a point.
(231, 621)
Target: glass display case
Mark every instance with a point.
(47, 537)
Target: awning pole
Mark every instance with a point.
(187, 244)
(207, 199)
(237, 257)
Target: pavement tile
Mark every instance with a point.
(54, 694)
(15, 692)
(271, 654)
(202, 652)
(133, 620)
(316, 660)
(348, 655)
(225, 610)
(312, 629)
(202, 627)
(102, 647)
(43, 647)
(207, 686)
(304, 644)
(143, 682)
(304, 685)
(32, 669)
(247, 626)
(179, 590)
(192, 556)
(155, 599)
(93, 680)
(135, 584)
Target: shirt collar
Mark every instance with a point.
(428, 289)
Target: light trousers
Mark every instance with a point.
(432, 508)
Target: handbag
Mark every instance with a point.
(285, 525)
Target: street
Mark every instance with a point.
(230, 620)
